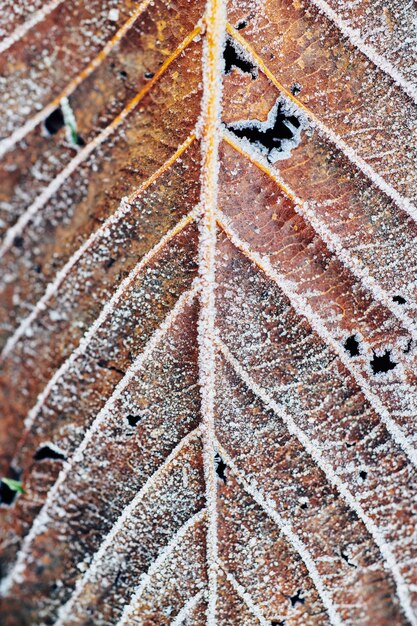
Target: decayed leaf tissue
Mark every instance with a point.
(208, 314)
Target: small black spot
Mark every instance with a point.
(269, 136)
(148, 75)
(363, 474)
(45, 452)
(296, 89)
(304, 506)
(345, 557)
(234, 56)
(123, 74)
(105, 365)
(55, 121)
(297, 598)
(399, 300)
(108, 264)
(382, 363)
(133, 419)
(352, 345)
(280, 622)
(408, 348)
(38, 268)
(18, 241)
(349, 444)
(221, 467)
(241, 24)
(79, 141)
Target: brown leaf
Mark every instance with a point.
(208, 313)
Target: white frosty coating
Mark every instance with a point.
(175, 542)
(284, 151)
(402, 202)
(18, 134)
(354, 36)
(122, 210)
(213, 65)
(188, 606)
(104, 314)
(243, 594)
(65, 610)
(326, 468)
(285, 527)
(34, 19)
(332, 240)
(43, 517)
(302, 307)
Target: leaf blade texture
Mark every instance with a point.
(208, 313)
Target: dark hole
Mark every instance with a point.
(280, 622)
(234, 56)
(296, 89)
(123, 74)
(399, 299)
(350, 445)
(266, 135)
(79, 141)
(105, 365)
(45, 452)
(363, 474)
(18, 241)
(241, 24)
(38, 268)
(382, 363)
(221, 467)
(148, 75)
(54, 121)
(133, 419)
(304, 505)
(297, 598)
(109, 262)
(345, 557)
(408, 348)
(352, 345)
(7, 495)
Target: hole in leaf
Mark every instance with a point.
(234, 56)
(46, 452)
(54, 122)
(399, 300)
(352, 345)
(296, 89)
(108, 264)
(241, 24)
(123, 74)
(133, 419)
(276, 137)
(18, 241)
(220, 467)
(297, 598)
(345, 557)
(10, 487)
(363, 474)
(349, 444)
(148, 75)
(105, 365)
(408, 348)
(382, 363)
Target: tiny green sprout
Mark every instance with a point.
(14, 485)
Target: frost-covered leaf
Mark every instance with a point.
(208, 313)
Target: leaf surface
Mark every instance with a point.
(208, 313)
